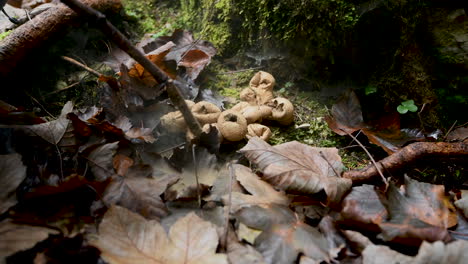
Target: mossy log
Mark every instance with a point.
(35, 34)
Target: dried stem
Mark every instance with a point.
(370, 156)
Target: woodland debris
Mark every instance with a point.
(42, 29)
(407, 155)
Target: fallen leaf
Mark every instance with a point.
(429, 253)
(100, 161)
(138, 194)
(12, 173)
(204, 167)
(126, 237)
(284, 237)
(346, 115)
(459, 134)
(239, 253)
(121, 164)
(17, 237)
(53, 131)
(299, 168)
(422, 212)
(263, 193)
(363, 209)
(462, 204)
(192, 54)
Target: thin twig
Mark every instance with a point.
(81, 65)
(370, 156)
(43, 108)
(420, 118)
(450, 130)
(329, 164)
(195, 165)
(228, 206)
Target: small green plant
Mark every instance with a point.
(370, 90)
(406, 106)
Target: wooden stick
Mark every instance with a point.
(41, 31)
(406, 156)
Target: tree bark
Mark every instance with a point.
(33, 35)
(406, 156)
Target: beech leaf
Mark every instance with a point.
(12, 173)
(263, 193)
(205, 167)
(138, 194)
(126, 237)
(16, 237)
(101, 160)
(346, 115)
(299, 168)
(53, 131)
(429, 253)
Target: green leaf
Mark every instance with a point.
(370, 90)
(402, 109)
(408, 103)
(412, 108)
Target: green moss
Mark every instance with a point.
(141, 12)
(4, 34)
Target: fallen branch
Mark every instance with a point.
(35, 34)
(407, 155)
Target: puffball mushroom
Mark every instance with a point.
(254, 113)
(232, 125)
(173, 122)
(206, 112)
(248, 95)
(258, 130)
(283, 111)
(262, 81)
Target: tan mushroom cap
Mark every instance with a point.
(232, 125)
(283, 111)
(262, 81)
(258, 130)
(173, 122)
(240, 106)
(248, 95)
(256, 113)
(206, 112)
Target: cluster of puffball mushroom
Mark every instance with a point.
(244, 119)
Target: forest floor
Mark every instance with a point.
(99, 164)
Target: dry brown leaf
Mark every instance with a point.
(429, 253)
(138, 194)
(132, 133)
(125, 237)
(12, 173)
(284, 237)
(263, 193)
(101, 160)
(53, 131)
(239, 253)
(299, 168)
(346, 115)
(422, 212)
(205, 167)
(122, 163)
(363, 208)
(16, 237)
